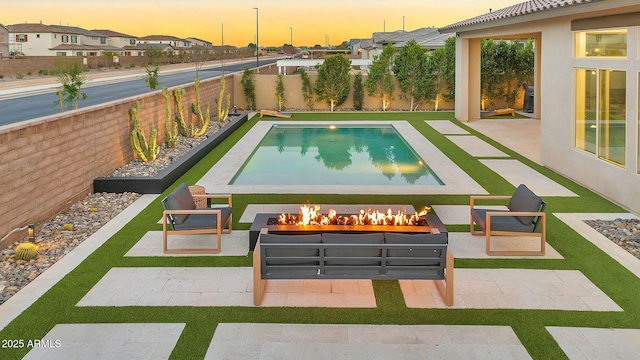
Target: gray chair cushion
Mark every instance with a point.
(353, 254)
(180, 199)
(399, 238)
(524, 199)
(499, 223)
(291, 239)
(203, 221)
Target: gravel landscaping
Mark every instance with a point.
(59, 236)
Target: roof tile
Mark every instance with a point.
(528, 7)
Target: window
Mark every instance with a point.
(132, 41)
(586, 97)
(21, 38)
(601, 43)
(65, 38)
(61, 53)
(79, 53)
(103, 40)
(613, 115)
(600, 113)
(74, 39)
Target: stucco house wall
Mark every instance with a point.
(555, 93)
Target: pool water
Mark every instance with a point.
(334, 155)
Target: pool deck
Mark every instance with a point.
(475, 288)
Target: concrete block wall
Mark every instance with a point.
(49, 163)
(265, 96)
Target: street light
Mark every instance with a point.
(290, 36)
(257, 47)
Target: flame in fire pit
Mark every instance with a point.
(309, 215)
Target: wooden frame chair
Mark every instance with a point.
(524, 216)
(182, 216)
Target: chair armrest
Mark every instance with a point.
(214, 196)
(195, 211)
(515, 213)
(473, 199)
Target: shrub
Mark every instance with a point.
(358, 92)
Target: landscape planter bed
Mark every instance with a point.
(161, 181)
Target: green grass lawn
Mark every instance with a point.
(58, 305)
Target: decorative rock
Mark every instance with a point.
(53, 243)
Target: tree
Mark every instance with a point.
(449, 68)
(414, 79)
(358, 92)
(504, 66)
(108, 58)
(249, 88)
(333, 83)
(199, 56)
(436, 68)
(489, 72)
(71, 80)
(380, 80)
(307, 88)
(280, 94)
(154, 56)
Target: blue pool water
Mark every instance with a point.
(342, 155)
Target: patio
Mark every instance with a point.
(119, 282)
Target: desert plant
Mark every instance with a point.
(170, 126)
(151, 77)
(249, 88)
(358, 92)
(71, 80)
(223, 111)
(146, 151)
(280, 95)
(26, 251)
(182, 126)
(307, 88)
(203, 119)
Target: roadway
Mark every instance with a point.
(21, 104)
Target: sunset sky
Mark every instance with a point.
(312, 22)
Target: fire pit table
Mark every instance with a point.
(432, 225)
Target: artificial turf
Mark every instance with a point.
(58, 305)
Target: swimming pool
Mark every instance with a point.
(291, 154)
(456, 181)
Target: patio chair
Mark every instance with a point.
(183, 217)
(525, 215)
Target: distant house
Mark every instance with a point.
(586, 86)
(4, 41)
(428, 38)
(37, 39)
(117, 39)
(165, 39)
(141, 49)
(199, 42)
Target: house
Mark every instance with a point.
(165, 39)
(428, 38)
(586, 82)
(141, 49)
(117, 39)
(37, 39)
(4, 41)
(199, 42)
